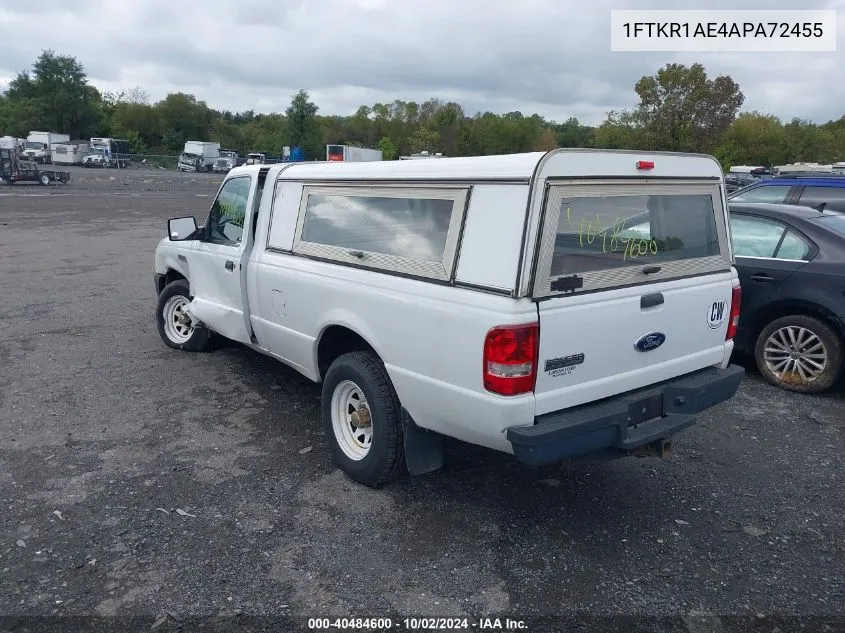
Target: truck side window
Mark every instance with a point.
(226, 220)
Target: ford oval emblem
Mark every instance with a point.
(650, 341)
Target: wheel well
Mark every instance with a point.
(805, 309)
(171, 276)
(335, 342)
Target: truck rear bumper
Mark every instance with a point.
(624, 422)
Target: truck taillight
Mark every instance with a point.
(510, 359)
(733, 323)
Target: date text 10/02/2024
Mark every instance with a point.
(613, 239)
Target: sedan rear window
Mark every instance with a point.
(835, 222)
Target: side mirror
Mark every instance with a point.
(179, 229)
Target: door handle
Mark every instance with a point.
(230, 265)
(652, 300)
(762, 277)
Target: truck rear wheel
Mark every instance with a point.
(175, 326)
(362, 419)
(44, 179)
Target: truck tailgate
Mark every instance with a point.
(598, 345)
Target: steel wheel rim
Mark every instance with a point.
(795, 353)
(351, 420)
(177, 323)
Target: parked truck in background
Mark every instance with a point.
(38, 146)
(350, 154)
(199, 156)
(107, 152)
(227, 160)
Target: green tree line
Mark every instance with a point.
(680, 109)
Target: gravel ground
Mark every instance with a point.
(140, 481)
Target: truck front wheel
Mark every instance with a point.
(175, 325)
(362, 419)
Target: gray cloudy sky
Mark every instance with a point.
(547, 56)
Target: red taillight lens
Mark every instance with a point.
(645, 164)
(510, 359)
(736, 301)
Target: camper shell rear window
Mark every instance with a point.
(598, 236)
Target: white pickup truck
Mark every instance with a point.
(548, 305)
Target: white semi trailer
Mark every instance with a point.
(351, 154)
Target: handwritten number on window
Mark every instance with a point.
(632, 247)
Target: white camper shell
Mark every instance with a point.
(548, 305)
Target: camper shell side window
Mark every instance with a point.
(410, 230)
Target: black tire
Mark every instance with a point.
(44, 179)
(385, 460)
(792, 381)
(200, 340)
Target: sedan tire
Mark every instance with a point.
(799, 353)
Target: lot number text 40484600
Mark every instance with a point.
(418, 624)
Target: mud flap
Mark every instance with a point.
(423, 449)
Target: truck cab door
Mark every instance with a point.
(218, 278)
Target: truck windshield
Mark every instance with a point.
(34, 145)
(96, 151)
